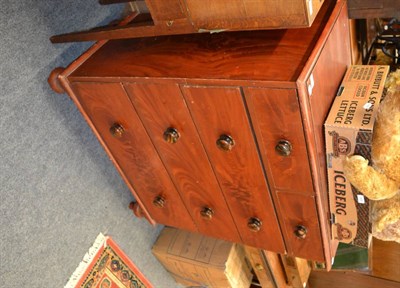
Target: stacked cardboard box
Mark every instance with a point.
(348, 131)
(196, 260)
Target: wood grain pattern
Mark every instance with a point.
(301, 210)
(162, 10)
(217, 111)
(277, 55)
(276, 116)
(247, 14)
(107, 104)
(161, 107)
(385, 259)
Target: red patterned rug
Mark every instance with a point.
(106, 266)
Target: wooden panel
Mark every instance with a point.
(277, 269)
(277, 55)
(217, 111)
(361, 9)
(385, 259)
(348, 280)
(161, 107)
(107, 104)
(162, 10)
(301, 210)
(332, 50)
(276, 116)
(238, 14)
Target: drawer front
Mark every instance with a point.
(166, 118)
(277, 122)
(115, 119)
(302, 231)
(221, 119)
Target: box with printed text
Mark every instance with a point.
(348, 131)
(195, 260)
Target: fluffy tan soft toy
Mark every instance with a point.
(380, 181)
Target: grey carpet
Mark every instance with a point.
(58, 188)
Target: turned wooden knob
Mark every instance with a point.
(254, 224)
(207, 213)
(171, 135)
(300, 231)
(117, 130)
(159, 201)
(225, 142)
(54, 80)
(283, 148)
(137, 210)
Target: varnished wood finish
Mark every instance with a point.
(385, 259)
(299, 210)
(220, 111)
(54, 81)
(107, 104)
(277, 55)
(193, 16)
(276, 116)
(165, 12)
(186, 159)
(222, 78)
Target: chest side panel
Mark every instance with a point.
(165, 116)
(221, 119)
(114, 118)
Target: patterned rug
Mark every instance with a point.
(106, 266)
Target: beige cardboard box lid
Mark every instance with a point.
(358, 97)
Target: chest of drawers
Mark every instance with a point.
(222, 133)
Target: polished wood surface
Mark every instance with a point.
(277, 55)
(220, 111)
(299, 210)
(185, 160)
(220, 76)
(107, 104)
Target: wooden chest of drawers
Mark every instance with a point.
(222, 133)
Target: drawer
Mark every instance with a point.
(221, 118)
(116, 121)
(301, 227)
(276, 117)
(164, 114)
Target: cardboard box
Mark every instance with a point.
(196, 260)
(348, 131)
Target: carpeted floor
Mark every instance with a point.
(58, 188)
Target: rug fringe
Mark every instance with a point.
(98, 244)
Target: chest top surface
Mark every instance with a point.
(277, 55)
